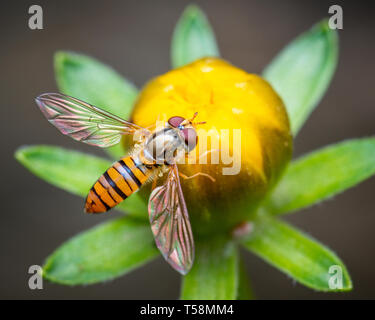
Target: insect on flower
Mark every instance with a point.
(155, 152)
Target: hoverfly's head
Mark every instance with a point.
(187, 130)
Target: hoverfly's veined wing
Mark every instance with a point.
(170, 223)
(84, 122)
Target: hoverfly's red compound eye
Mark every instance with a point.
(191, 138)
(176, 121)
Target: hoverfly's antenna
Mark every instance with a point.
(195, 123)
(194, 116)
(201, 122)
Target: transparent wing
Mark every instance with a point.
(84, 122)
(170, 223)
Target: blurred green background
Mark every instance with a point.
(134, 38)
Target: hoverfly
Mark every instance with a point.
(156, 152)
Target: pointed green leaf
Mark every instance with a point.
(73, 171)
(244, 291)
(102, 253)
(193, 38)
(214, 275)
(322, 174)
(89, 80)
(302, 72)
(298, 255)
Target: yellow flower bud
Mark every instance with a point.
(230, 101)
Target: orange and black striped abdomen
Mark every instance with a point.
(116, 184)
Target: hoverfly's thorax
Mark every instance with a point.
(162, 146)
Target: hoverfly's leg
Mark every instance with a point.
(154, 183)
(184, 176)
